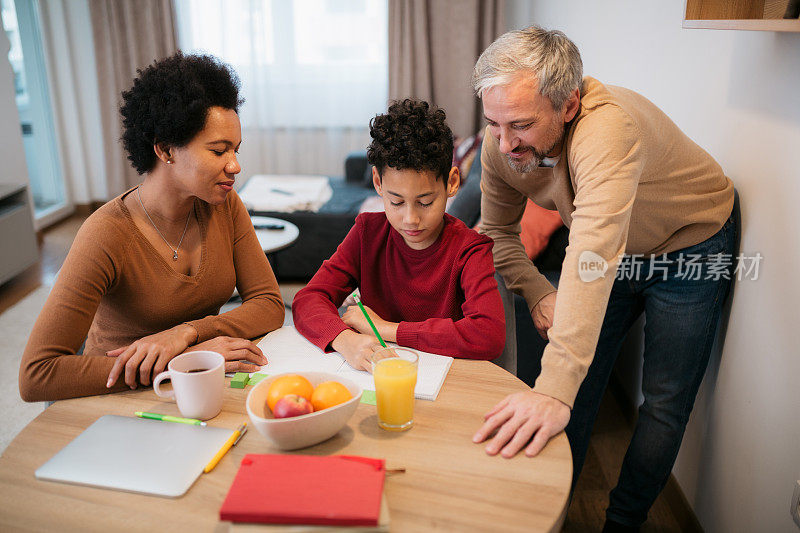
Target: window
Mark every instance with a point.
(303, 64)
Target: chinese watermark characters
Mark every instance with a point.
(693, 267)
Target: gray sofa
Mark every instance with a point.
(322, 231)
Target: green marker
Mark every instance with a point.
(366, 315)
(168, 418)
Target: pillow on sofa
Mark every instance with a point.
(466, 205)
(538, 224)
(464, 151)
(367, 181)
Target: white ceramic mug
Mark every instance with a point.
(198, 383)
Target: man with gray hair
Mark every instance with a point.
(633, 190)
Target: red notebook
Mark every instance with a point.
(306, 489)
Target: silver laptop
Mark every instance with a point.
(136, 455)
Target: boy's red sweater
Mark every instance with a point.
(444, 297)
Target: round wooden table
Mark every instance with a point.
(449, 484)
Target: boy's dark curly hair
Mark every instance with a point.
(169, 101)
(412, 135)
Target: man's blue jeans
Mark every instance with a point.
(682, 317)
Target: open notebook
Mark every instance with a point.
(288, 351)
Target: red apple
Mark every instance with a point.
(292, 405)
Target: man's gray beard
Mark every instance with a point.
(556, 131)
(521, 167)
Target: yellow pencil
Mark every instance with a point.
(240, 431)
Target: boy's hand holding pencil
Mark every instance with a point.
(364, 320)
(357, 347)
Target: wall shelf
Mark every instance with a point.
(758, 15)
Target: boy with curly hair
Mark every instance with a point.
(426, 280)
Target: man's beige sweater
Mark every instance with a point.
(627, 181)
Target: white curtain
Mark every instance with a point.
(434, 47)
(93, 48)
(127, 36)
(69, 52)
(313, 73)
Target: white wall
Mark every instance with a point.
(737, 94)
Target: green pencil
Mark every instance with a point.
(366, 315)
(168, 418)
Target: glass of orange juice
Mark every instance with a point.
(395, 373)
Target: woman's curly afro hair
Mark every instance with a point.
(412, 135)
(169, 102)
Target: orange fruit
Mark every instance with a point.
(328, 394)
(289, 384)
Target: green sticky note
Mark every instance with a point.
(239, 380)
(255, 378)
(368, 397)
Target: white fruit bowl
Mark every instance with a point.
(305, 430)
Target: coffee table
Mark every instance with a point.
(274, 234)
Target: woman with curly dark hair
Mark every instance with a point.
(148, 272)
(426, 279)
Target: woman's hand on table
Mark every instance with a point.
(149, 355)
(356, 348)
(523, 419)
(241, 355)
(355, 318)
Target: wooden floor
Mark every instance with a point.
(610, 437)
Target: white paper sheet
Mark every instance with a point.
(288, 351)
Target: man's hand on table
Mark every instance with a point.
(543, 313)
(520, 417)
